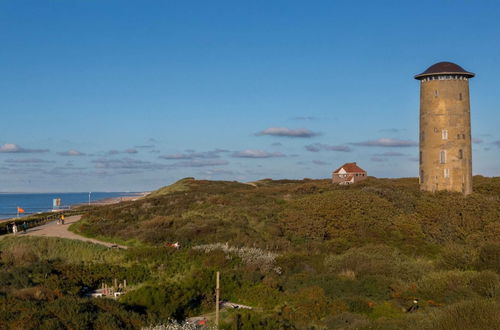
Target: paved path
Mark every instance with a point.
(52, 229)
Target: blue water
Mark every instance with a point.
(33, 203)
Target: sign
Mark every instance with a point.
(56, 203)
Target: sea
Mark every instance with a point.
(42, 202)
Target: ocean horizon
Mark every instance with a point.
(33, 203)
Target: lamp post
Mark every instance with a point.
(217, 297)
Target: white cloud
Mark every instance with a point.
(257, 154)
(126, 151)
(199, 163)
(386, 142)
(28, 161)
(288, 132)
(14, 148)
(390, 154)
(71, 153)
(127, 163)
(191, 154)
(316, 147)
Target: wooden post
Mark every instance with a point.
(217, 292)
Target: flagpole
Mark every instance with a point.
(18, 211)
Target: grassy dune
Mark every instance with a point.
(303, 253)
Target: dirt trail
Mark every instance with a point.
(52, 229)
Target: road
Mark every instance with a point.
(52, 229)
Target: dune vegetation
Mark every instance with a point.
(303, 253)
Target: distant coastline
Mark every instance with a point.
(113, 200)
(34, 203)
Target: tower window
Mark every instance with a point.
(442, 157)
(446, 173)
(458, 136)
(436, 93)
(444, 134)
(460, 96)
(420, 158)
(460, 154)
(463, 136)
(421, 176)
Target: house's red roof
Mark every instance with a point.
(350, 168)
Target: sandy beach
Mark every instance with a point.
(115, 200)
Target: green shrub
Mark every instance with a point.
(446, 286)
(347, 321)
(486, 284)
(377, 260)
(307, 305)
(26, 249)
(359, 305)
(471, 315)
(455, 256)
(489, 257)
(387, 310)
(250, 320)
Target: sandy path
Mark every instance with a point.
(52, 229)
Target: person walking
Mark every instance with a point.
(62, 219)
(25, 227)
(14, 228)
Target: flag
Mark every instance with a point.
(20, 210)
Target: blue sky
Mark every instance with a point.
(132, 95)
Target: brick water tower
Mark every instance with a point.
(445, 134)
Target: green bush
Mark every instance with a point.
(489, 257)
(377, 260)
(347, 321)
(455, 256)
(471, 315)
(486, 284)
(304, 253)
(386, 310)
(446, 286)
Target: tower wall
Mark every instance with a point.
(445, 134)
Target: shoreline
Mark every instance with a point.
(99, 202)
(113, 200)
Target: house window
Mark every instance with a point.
(460, 154)
(442, 157)
(446, 173)
(444, 134)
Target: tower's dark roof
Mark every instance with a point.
(444, 68)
